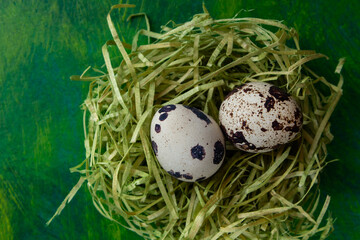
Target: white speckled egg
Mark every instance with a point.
(259, 117)
(188, 143)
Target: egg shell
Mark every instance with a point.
(259, 117)
(188, 143)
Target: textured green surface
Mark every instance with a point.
(42, 43)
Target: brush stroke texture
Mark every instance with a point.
(42, 43)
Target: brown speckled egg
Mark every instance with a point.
(259, 117)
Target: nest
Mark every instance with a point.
(252, 196)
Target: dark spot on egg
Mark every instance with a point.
(199, 114)
(293, 128)
(278, 93)
(244, 126)
(155, 147)
(235, 90)
(248, 146)
(157, 128)
(167, 108)
(263, 129)
(198, 152)
(246, 90)
(276, 125)
(269, 103)
(238, 138)
(187, 176)
(219, 151)
(163, 116)
(175, 174)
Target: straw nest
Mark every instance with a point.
(272, 195)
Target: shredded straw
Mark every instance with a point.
(272, 195)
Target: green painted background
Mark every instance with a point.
(42, 43)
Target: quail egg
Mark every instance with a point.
(188, 143)
(259, 117)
